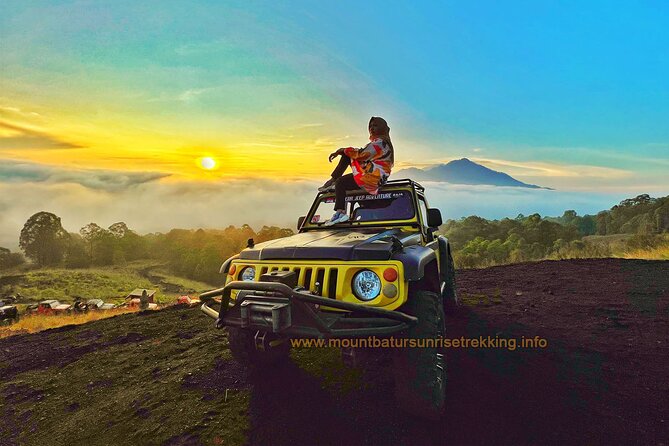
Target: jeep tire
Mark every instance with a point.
(420, 372)
(243, 348)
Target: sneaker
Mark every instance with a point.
(328, 186)
(336, 218)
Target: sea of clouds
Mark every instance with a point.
(149, 203)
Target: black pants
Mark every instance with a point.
(344, 183)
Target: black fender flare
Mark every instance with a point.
(415, 258)
(444, 252)
(225, 267)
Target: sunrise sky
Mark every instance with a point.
(138, 102)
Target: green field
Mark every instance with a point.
(111, 284)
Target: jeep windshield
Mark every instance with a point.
(386, 206)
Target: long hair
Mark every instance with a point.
(384, 134)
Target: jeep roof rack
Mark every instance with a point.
(400, 182)
(403, 181)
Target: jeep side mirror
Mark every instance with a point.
(434, 218)
(300, 221)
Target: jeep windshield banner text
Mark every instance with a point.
(385, 206)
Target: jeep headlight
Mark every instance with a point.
(366, 285)
(248, 274)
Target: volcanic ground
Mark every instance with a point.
(167, 377)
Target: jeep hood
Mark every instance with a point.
(336, 244)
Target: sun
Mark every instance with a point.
(207, 163)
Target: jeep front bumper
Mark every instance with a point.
(275, 307)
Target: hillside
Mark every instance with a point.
(108, 283)
(463, 171)
(167, 377)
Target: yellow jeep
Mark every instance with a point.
(382, 274)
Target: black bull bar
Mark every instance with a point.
(275, 307)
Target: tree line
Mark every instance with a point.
(476, 241)
(195, 254)
(480, 242)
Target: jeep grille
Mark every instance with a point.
(309, 276)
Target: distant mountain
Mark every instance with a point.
(463, 171)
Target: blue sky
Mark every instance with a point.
(582, 82)
(543, 81)
(569, 95)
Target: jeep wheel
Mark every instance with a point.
(243, 348)
(448, 293)
(420, 375)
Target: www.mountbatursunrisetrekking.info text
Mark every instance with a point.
(391, 342)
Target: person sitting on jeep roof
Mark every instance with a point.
(370, 167)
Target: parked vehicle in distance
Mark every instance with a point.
(135, 304)
(99, 304)
(188, 300)
(8, 312)
(10, 299)
(79, 306)
(49, 307)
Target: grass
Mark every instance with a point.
(65, 284)
(39, 322)
(656, 253)
(111, 284)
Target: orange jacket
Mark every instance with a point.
(371, 165)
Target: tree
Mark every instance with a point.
(92, 232)
(637, 201)
(128, 245)
(587, 225)
(119, 229)
(569, 217)
(602, 223)
(43, 239)
(76, 255)
(10, 259)
(271, 233)
(661, 215)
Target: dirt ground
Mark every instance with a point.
(167, 377)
